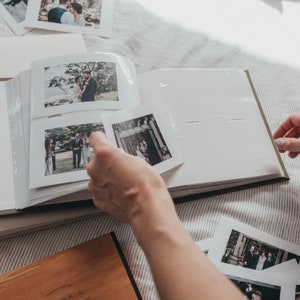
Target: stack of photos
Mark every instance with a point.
(85, 16)
(73, 96)
(262, 266)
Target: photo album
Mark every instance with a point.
(92, 17)
(258, 263)
(183, 122)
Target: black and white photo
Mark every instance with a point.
(14, 12)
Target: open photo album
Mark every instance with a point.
(203, 130)
(92, 17)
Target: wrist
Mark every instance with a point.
(156, 217)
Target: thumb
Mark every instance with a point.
(98, 139)
(288, 144)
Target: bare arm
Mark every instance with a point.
(287, 135)
(128, 188)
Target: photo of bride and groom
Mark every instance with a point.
(71, 12)
(80, 82)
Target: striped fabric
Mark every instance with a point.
(152, 43)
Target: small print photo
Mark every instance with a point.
(250, 252)
(86, 16)
(259, 285)
(68, 148)
(14, 12)
(256, 290)
(83, 81)
(60, 148)
(142, 137)
(141, 132)
(243, 246)
(75, 82)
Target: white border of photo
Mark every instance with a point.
(17, 27)
(37, 149)
(106, 18)
(287, 286)
(128, 94)
(223, 232)
(165, 130)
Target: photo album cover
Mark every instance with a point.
(92, 17)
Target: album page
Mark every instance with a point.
(219, 126)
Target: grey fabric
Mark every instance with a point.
(152, 44)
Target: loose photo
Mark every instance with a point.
(86, 16)
(14, 12)
(250, 252)
(254, 290)
(142, 132)
(259, 285)
(246, 247)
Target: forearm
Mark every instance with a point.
(180, 269)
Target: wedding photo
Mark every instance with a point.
(77, 13)
(14, 14)
(86, 16)
(80, 82)
(249, 252)
(68, 148)
(142, 137)
(256, 290)
(16, 8)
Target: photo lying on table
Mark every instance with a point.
(142, 132)
(14, 12)
(80, 82)
(92, 17)
(240, 245)
(60, 148)
(259, 286)
(257, 290)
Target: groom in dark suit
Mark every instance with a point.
(250, 259)
(89, 87)
(77, 145)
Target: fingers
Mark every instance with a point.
(286, 136)
(102, 149)
(288, 144)
(288, 124)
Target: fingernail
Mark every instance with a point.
(279, 143)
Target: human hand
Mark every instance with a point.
(287, 136)
(122, 184)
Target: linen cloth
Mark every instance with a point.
(152, 43)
